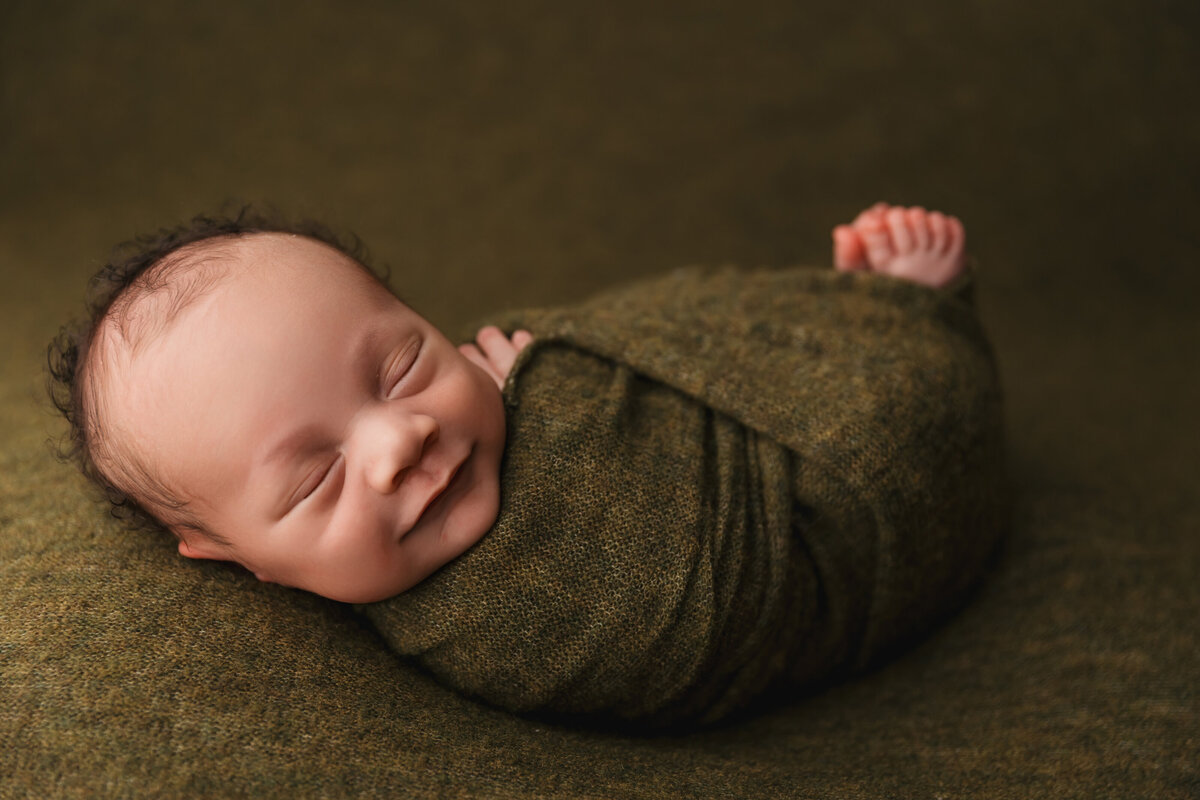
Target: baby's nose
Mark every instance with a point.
(393, 445)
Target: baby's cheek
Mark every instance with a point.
(343, 539)
(474, 393)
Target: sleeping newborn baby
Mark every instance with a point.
(653, 505)
(276, 406)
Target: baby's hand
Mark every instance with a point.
(495, 352)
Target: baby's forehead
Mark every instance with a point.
(282, 258)
(157, 297)
(180, 279)
(248, 283)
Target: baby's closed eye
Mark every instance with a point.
(398, 366)
(324, 474)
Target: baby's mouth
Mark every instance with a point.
(433, 502)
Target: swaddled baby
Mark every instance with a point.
(652, 506)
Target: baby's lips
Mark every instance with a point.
(434, 496)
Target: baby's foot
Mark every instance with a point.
(911, 243)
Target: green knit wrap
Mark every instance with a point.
(718, 481)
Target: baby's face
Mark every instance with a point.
(337, 440)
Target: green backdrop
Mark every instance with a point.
(527, 153)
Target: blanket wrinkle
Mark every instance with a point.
(717, 482)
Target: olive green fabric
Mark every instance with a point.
(718, 481)
(527, 154)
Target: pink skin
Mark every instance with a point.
(494, 353)
(923, 246)
(337, 440)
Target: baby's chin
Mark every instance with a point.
(466, 522)
(473, 516)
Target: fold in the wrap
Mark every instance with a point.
(717, 481)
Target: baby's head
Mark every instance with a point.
(255, 389)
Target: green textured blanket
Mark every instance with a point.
(719, 481)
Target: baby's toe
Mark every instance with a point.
(902, 237)
(872, 214)
(877, 241)
(956, 238)
(848, 252)
(918, 223)
(939, 232)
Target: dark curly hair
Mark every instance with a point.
(125, 278)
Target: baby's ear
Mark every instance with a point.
(201, 548)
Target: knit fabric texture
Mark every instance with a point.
(719, 481)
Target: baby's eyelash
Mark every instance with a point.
(319, 481)
(399, 366)
(316, 480)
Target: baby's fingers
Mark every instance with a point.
(521, 339)
(499, 351)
